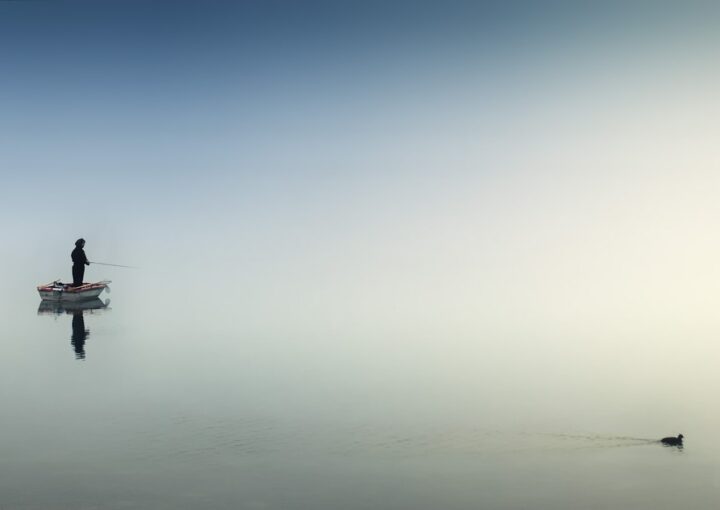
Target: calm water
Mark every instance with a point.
(175, 399)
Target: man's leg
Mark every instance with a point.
(78, 273)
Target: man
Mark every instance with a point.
(79, 262)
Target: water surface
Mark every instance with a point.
(153, 402)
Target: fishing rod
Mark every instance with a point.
(114, 265)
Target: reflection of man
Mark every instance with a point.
(79, 262)
(79, 334)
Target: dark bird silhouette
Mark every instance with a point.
(673, 441)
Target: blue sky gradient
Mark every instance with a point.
(452, 156)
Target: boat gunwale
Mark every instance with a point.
(85, 287)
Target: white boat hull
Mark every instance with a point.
(57, 291)
(70, 296)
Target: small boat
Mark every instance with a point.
(58, 291)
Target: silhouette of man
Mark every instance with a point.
(79, 335)
(79, 262)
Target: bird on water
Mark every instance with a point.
(673, 441)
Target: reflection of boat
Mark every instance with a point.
(78, 310)
(60, 307)
(58, 291)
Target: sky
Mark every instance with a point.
(448, 164)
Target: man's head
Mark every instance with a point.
(80, 243)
